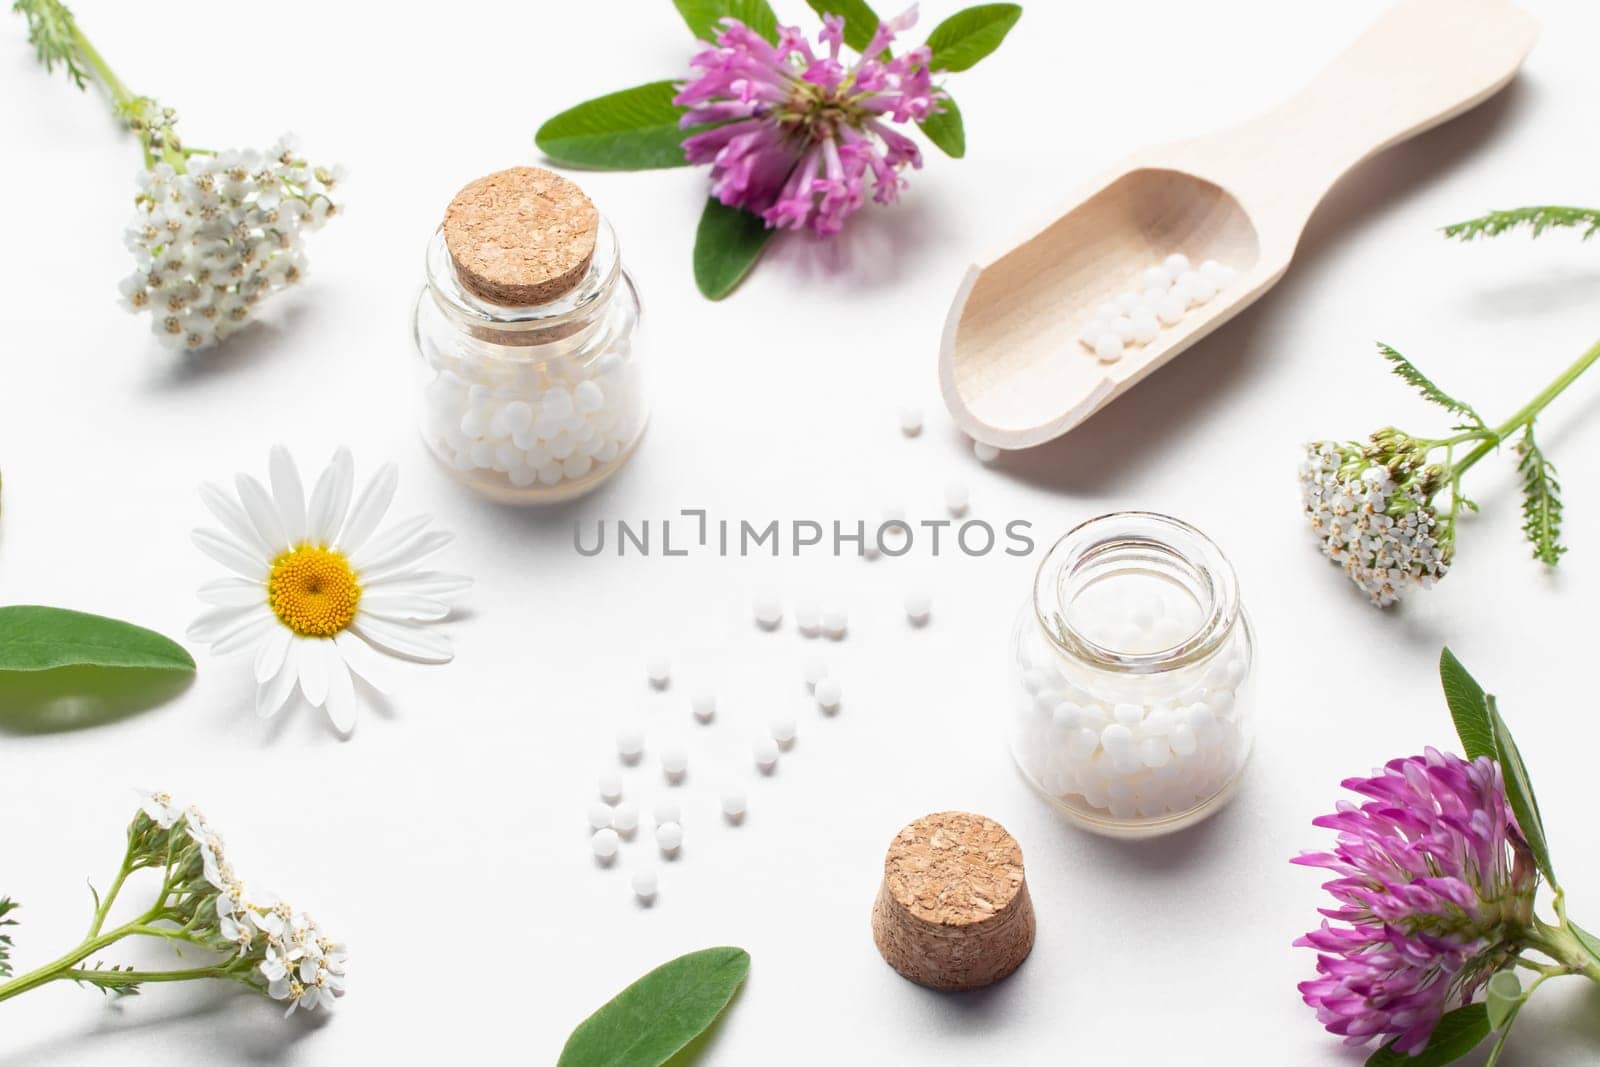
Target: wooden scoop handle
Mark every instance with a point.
(1423, 62)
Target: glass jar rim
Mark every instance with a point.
(569, 311)
(1092, 543)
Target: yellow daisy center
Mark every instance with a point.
(313, 591)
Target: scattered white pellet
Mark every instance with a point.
(918, 605)
(610, 787)
(625, 819)
(734, 805)
(669, 838)
(815, 672)
(668, 811)
(807, 619)
(599, 815)
(765, 751)
(829, 693)
(910, 420)
(644, 884)
(1174, 265)
(1122, 327)
(674, 763)
(956, 497)
(1171, 308)
(835, 621)
(768, 610)
(986, 453)
(659, 671)
(782, 729)
(604, 844)
(630, 744)
(1219, 274)
(704, 706)
(1146, 327)
(1107, 347)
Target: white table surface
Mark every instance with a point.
(446, 840)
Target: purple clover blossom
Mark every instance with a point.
(1435, 889)
(795, 135)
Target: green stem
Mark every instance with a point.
(1526, 414)
(1562, 945)
(121, 95)
(116, 978)
(58, 968)
(111, 894)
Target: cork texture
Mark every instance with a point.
(520, 237)
(953, 911)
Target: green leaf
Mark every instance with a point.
(1541, 501)
(631, 129)
(1590, 942)
(944, 129)
(1537, 219)
(42, 639)
(655, 1017)
(7, 905)
(1502, 998)
(705, 17)
(860, 21)
(1458, 1033)
(1519, 791)
(726, 246)
(1406, 370)
(964, 38)
(1468, 707)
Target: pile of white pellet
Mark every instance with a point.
(1164, 295)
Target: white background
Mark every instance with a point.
(446, 840)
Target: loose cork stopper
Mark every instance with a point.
(521, 237)
(953, 912)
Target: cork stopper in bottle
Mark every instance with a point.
(521, 237)
(953, 911)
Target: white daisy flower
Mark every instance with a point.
(315, 590)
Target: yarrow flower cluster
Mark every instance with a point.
(253, 938)
(1435, 889)
(1371, 508)
(794, 135)
(214, 235)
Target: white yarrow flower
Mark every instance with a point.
(316, 590)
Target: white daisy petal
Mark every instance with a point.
(263, 512)
(341, 705)
(246, 633)
(390, 539)
(232, 516)
(233, 592)
(270, 656)
(314, 669)
(288, 493)
(403, 639)
(402, 607)
(216, 623)
(422, 583)
(361, 658)
(330, 500)
(228, 552)
(409, 554)
(370, 507)
(271, 697)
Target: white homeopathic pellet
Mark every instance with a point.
(599, 815)
(630, 744)
(807, 619)
(911, 420)
(669, 837)
(604, 844)
(674, 763)
(704, 706)
(610, 787)
(625, 819)
(816, 671)
(918, 606)
(956, 497)
(829, 693)
(835, 622)
(644, 884)
(986, 453)
(768, 610)
(659, 671)
(1107, 347)
(782, 729)
(668, 811)
(734, 804)
(765, 751)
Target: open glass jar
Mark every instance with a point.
(538, 402)
(1131, 665)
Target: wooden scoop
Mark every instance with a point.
(1011, 366)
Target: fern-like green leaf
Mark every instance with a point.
(1537, 219)
(1407, 371)
(1541, 501)
(53, 34)
(7, 905)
